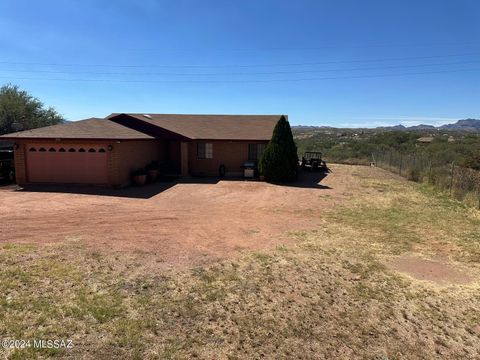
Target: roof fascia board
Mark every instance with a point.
(75, 139)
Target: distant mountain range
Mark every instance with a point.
(466, 125)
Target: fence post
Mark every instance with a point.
(478, 192)
(430, 172)
(400, 167)
(451, 177)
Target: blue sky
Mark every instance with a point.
(340, 63)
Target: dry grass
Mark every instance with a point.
(331, 295)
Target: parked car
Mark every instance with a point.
(7, 168)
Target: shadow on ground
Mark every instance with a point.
(309, 179)
(306, 179)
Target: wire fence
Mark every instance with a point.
(460, 182)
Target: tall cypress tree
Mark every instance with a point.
(279, 161)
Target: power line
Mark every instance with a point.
(302, 48)
(238, 81)
(238, 73)
(237, 65)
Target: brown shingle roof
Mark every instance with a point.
(92, 128)
(425, 139)
(212, 127)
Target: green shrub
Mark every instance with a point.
(279, 160)
(471, 161)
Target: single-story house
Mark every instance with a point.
(106, 151)
(425, 140)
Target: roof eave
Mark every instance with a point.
(210, 139)
(13, 138)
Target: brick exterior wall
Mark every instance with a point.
(184, 155)
(125, 156)
(132, 155)
(232, 154)
(20, 164)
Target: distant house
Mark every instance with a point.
(425, 140)
(106, 151)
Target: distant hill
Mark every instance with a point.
(470, 125)
(466, 125)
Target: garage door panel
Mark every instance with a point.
(67, 164)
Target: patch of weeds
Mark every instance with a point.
(470, 242)
(298, 235)
(282, 248)
(211, 283)
(380, 186)
(378, 283)
(366, 268)
(56, 269)
(173, 349)
(263, 258)
(370, 290)
(19, 248)
(15, 276)
(102, 307)
(204, 275)
(441, 198)
(188, 306)
(391, 227)
(95, 255)
(132, 334)
(35, 353)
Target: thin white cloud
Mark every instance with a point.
(388, 120)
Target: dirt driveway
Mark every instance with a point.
(179, 223)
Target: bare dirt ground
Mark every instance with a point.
(187, 223)
(437, 271)
(359, 265)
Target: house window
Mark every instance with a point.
(204, 150)
(255, 151)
